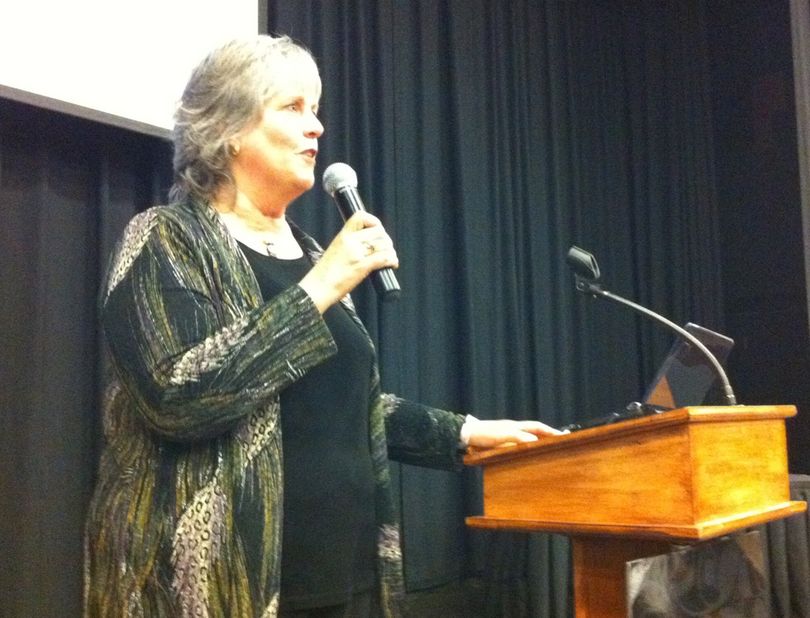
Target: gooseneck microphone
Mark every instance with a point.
(586, 273)
(340, 181)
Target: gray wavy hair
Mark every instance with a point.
(225, 94)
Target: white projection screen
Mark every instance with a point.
(119, 62)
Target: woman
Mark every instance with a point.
(233, 341)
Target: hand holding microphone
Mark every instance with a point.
(362, 247)
(340, 181)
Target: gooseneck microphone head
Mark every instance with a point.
(586, 272)
(340, 181)
(582, 263)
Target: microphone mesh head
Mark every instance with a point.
(337, 176)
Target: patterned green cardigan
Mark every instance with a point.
(191, 423)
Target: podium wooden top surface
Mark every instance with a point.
(699, 414)
(684, 475)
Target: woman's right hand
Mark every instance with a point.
(361, 246)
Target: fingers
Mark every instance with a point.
(361, 246)
(518, 435)
(361, 219)
(486, 434)
(368, 242)
(537, 428)
(374, 240)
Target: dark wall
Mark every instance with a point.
(760, 209)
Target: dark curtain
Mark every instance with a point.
(67, 187)
(489, 137)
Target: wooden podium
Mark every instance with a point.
(635, 488)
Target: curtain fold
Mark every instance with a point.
(800, 29)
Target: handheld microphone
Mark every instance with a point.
(340, 181)
(586, 273)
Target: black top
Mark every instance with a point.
(328, 543)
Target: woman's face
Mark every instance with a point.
(276, 159)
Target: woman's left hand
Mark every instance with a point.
(488, 434)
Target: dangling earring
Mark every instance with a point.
(233, 149)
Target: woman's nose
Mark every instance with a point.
(314, 126)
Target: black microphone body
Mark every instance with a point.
(349, 202)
